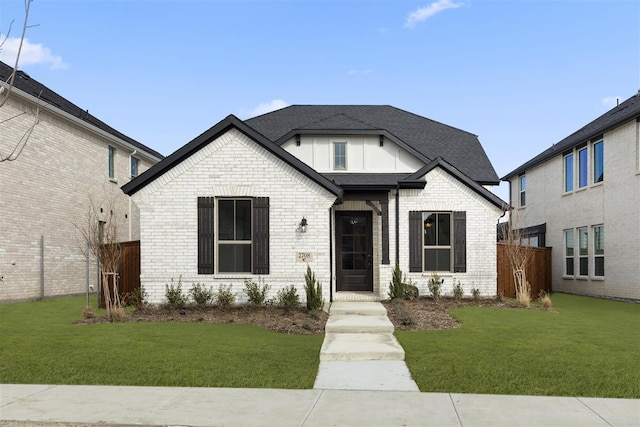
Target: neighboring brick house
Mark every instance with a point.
(44, 194)
(347, 189)
(582, 198)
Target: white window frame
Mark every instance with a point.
(581, 255)
(134, 161)
(523, 190)
(448, 247)
(571, 157)
(593, 150)
(219, 244)
(569, 239)
(335, 155)
(583, 167)
(598, 230)
(111, 162)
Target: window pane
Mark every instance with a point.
(568, 239)
(583, 167)
(347, 261)
(339, 155)
(569, 264)
(598, 162)
(568, 173)
(444, 229)
(225, 219)
(134, 166)
(429, 229)
(584, 266)
(111, 161)
(437, 260)
(523, 198)
(347, 243)
(234, 258)
(243, 219)
(360, 261)
(583, 236)
(523, 183)
(598, 266)
(598, 240)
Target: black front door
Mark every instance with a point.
(354, 251)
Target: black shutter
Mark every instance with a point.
(415, 241)
(459, 242)
(205, 235)
(261, 235)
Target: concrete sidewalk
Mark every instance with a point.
(109, 405)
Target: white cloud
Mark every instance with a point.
(267, 107)
(610, 101)
(427, 12)
(32, 53)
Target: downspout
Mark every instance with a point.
(130, 209)
(398, 224)
(330, 258)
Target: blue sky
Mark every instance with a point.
(521, 75)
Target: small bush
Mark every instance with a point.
(435, 286)
(313, 289)
(116, 314)
(458, 291)
(524, 299)
(224, 297)
(201, 295)
(545, 299)
(397, 286)
(88, 312)
(256, 292)
(288, 298)
(138, 298)
(475, 293)
(174, 298)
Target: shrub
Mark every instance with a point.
(475, 293)
(313, 289)
(288, 298)
(224, 297)
(174, 298)
(138, 297)
(88, 312)
(404, 315)
(201, 295)
(435, 286)
(399, 287)
(458, 291)
(256, 292)
(545, 299)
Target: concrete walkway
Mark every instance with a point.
(178, 406)
(360, 352)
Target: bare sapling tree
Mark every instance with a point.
(14, 148)
(100, 231)
(518, 253)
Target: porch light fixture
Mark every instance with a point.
(303, 225)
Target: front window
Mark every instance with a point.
(568, 253)
(523, 190)
(568, 173)
(598, 251)
(339, 155)
(437, 241)
(583, 254)
(234, 236)
(112, 155)
(583, 168)
(134, 167)
(598, 162)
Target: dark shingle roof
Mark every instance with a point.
(628, 110)
(429, 139)
(32, 87)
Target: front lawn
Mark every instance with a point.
(40, 344)
(589, 347)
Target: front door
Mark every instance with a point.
(354, 251)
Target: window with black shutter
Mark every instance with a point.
(437, 241)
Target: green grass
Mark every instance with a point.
(40, 344)
(590, 347)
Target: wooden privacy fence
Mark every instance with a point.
(538, 272)
(128, 271)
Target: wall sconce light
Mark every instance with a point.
(303, 225)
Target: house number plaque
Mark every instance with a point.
(304, 256)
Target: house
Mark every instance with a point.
(582, 198)
(348, 190)
(69, 157)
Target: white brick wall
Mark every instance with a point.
(45, 193)
(615, 203)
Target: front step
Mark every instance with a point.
(358, 346)
(357, 308)
(344, 323)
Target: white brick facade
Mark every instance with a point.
(233, 165)
(44, 194)
(613, 203)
